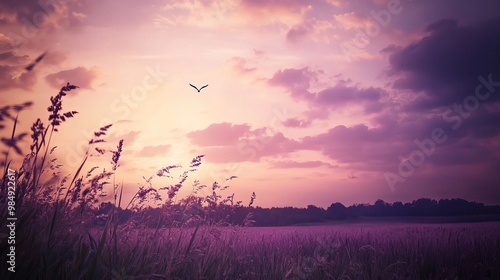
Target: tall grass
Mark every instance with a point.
(54, 233)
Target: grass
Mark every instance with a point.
(58, 237)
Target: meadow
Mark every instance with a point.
(55, 234)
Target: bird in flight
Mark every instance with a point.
(200, 88)
(352, 177)
(36, 61)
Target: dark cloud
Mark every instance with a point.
(357, 144)
(452, 77)
(41, 14)
(439, 74)
(31, 22)
(393, 138)
(341, 95)
(12, 58)
(443, 67)
(13, 69)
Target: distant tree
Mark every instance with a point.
(380, 208)
(316, 211)
(337, 211)
(398, 209)
(426, 207)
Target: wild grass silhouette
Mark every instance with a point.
(54, 221)
(69, 228)
(35, 62)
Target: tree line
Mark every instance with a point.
(283, 216)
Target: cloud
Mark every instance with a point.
(296, 33)
(239, 65)
(79, 76)
(341, 95)
(438, 79)
(12, 70)
(30, 21)
(219, 134)
(296, 123)
(5, 43)
(283, 7)
(14, 77)
(301, 164)
(225, 142)
(335, 3)
(40, 13)
(313, 32)
(355, 144)
(350, 21)
(393, 137)
(297, 81)
(152, 151)
(11, 58)
(442, 68)
(251, 149)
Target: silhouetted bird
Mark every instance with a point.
(200, 88)
(352, 177)
(37, 60)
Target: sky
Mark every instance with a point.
(308, 102)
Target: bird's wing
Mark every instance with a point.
(203, 87)
(194, 87)
(30, 67)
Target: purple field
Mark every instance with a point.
(347, 251)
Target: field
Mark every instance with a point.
(357, 251)
(345, 251)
